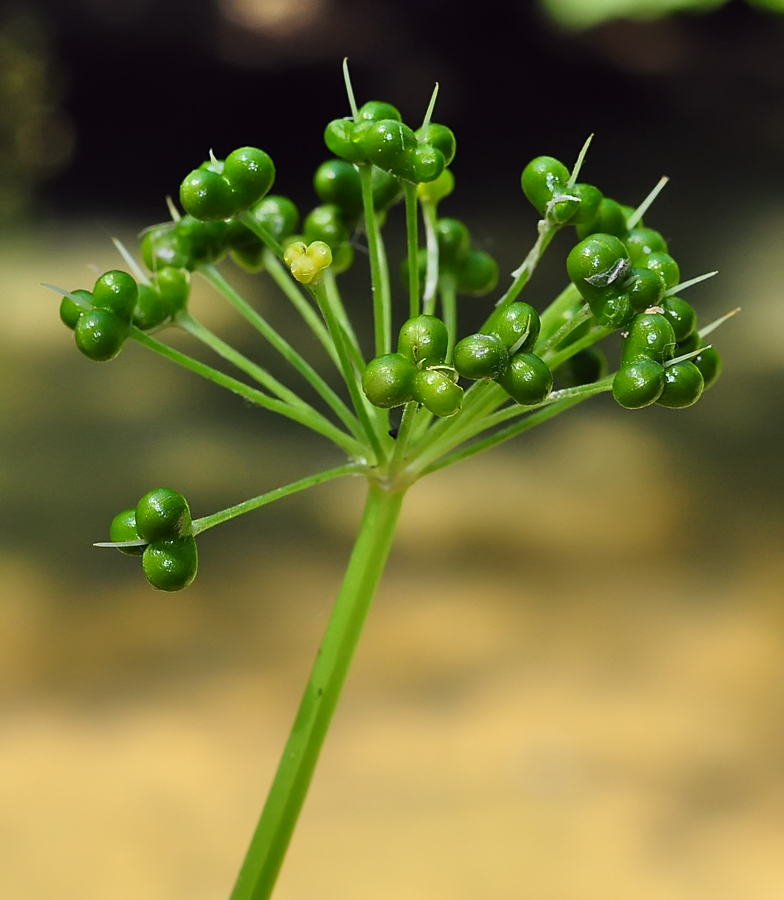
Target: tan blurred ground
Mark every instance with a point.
(566, 690)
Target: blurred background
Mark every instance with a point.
(571, 686)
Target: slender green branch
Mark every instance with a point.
(336, 302)
(282, 346)
(505, 434)
(430, 216)
(413, 248)
(218, 518)
(350, 374)
(287, 794)
(558, 311)
(570, 325)
(382, 299)
(523, 273)
(317, 423)
(449, 313)
(403, 436)
(556, 358)
(253, 224)
(282, 277)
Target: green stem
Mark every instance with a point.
(449, 314)
(350, 374)
(557, 337)
(553, 317)
(282, 346)
(430, 216)
(410, 191)
(557, 358)
(505, 434)
(382, 299)
(403, 435)
(316, 423)
(336, 302)
(269, 843)
(251, 222)
(282, 277)
(521, 276)
(218, 518)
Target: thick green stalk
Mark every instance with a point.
(287, 794)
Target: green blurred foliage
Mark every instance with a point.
(587, 13)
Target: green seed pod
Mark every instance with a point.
(480, 356)
(385, 187)
(207, 241)
(681, 316)
(589, 199)
(638, 384)
(117, 292)
(650, 337)
(171, 565)
(598, 264)
(164, 246)
(435, 191)
(423, 340)
(544, 178)
(389, 380)
(683, 385)
(388, 144)
(478, 274)
(207, 196)
(174, 286)
(100, 335)
(337, 182)
(610, 218)
(585, 367)
(278, 215)
(342, 257)
(376, 110)
(641, 242)
(327, 223)
(528, 380)
(665, 266)
(454, 244)
(438, 392)
(151, 309)
(517, 325)
(163, 514)
(123, 528)
(250, 173)
(339, 137)
(70, 311)
(425, 163)
(709, 364)
(442, 138)
(645, 288)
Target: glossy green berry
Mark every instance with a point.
(438, 391)
(389, 380)
(117, 292)
(650, 336)
(435, 191)
(427, 163)
(528, 380)
(585, 367)
(123, 528)
(517, 325)
(478, 274)
(250, 173)
(337, 182)
(207, 195)
(597, 263)
(709, 364)
(588, 200)
(454, 244)
(610, 218)
(173, 286)
(327, 223)
(151, 309)
(442, 138)
(163, 514)
(542, 180)
(278, 215)
(665, 266)
(645, 288)
(100, 335)
(389, 144)
(342, 257)
(481, 356)
(638, 384)
(423, 340)
(683, 385)
(70, 310)
(162, 246)
(641, 242)
(681, 316)
(171, 565)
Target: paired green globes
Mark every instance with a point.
(162, 518)
(546, 183)
(101, 319)
(223, 189)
